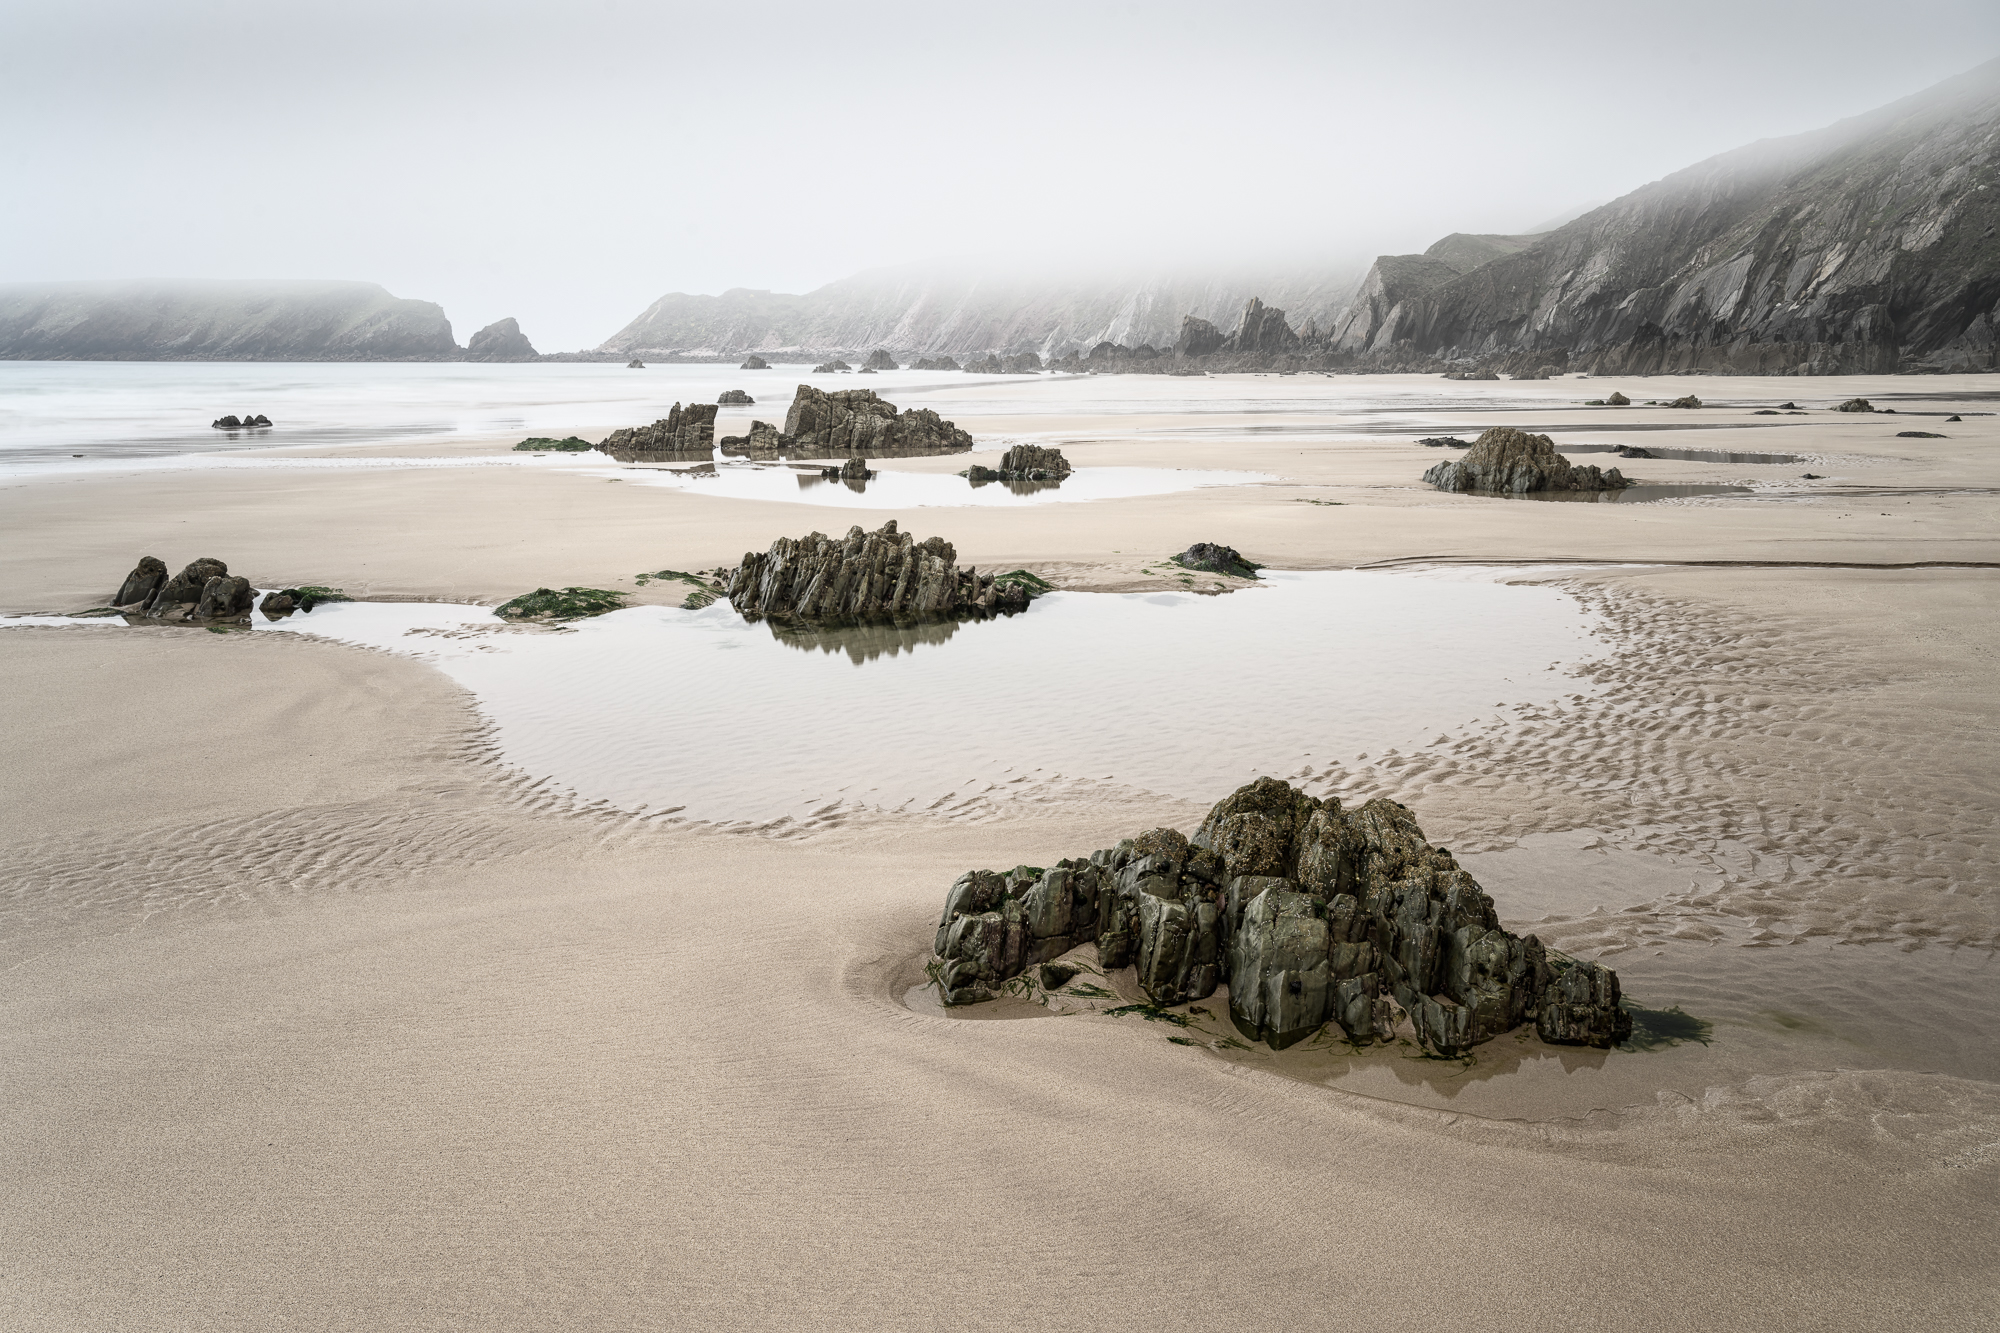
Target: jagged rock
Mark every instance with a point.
(1309, 911)
(246, 422)
(186, 587)
(866, 576)
(1025, 462)
(1214, 559)
(143, 583)
(501, 341)
(1198, 338)
(1507, 461)
(635, 364)
(755, 363)
(1261, 332)
(1444, 442)
(880, 360)
(935, 363)
(857, 422)
(1689, 401)
(735, 398)
(1616, 399)
(684, 430)
(1856, 405)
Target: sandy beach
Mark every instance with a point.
(321, 1012)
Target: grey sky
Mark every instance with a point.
(567, 163)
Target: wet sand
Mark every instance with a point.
(321, 1015)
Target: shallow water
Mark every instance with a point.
(704, 714)
(1644, 493)
(889, 489)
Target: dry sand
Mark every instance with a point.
(318, 1016)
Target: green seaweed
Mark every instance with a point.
(1033, 583)
(543, 444)
(661, 574)
(1152, 1013)
(697, 599)
(309, 595)
(560, 604)
(1657, 1029)
(1183, 1041)
(1089, 990)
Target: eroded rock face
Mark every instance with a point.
(884, 575)
(857, 422)
(143, 583)
(1508, 461)
(1310, 913)
(684, 430)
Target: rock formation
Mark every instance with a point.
(246, 422)
(1310, 913)
(735, 398)
(854, 469)
(502, 341)
(203, 592)
(755, 363)
(1021, 363)
(635, 364)
(866, 576)
(832, 367)
(1024, 462)
(880, 360)
(221, 320)
(1215, 559)
(935, 363)
(857, 422)
(1856, 405)
(988, 364)
(1617, 399)
(1198, 338)
(1688, 402)
(1444, 442)
(1508, 461)
(684, 430)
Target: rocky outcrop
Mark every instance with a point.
(1863, 248)
(866, 576)
(1198, 338)
(1509, 462)
(1021, 363)
(755, 363)
(635, 364)
(245, 422)
(684, 430)
(1215, 559)
(222, 320)
(832, 367)
(735, 398)
(1856, 405)
(204, 592)
(935, 363)
(1307, 911)
(502, 341)
(988, 364)
(854, 469)
(1024, 462)
(858, 422)
(880, 360)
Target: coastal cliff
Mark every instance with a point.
(221, 320)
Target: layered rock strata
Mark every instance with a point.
(1511, 462)
(884, 575)
(1024, 462)
(684, 430)
(1308, 912)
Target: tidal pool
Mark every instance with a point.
(887, 489)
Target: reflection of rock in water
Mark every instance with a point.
(863, 643)
(657, 455)
(1017, 485)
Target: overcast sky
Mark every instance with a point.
(568, 163)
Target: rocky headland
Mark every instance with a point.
(884, 575)
(1506, 461)
(1308, 912)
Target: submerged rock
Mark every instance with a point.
(684, 430)
(1919, 435)
(735, 398)
(1309, 912)
(860, 423)
(867, 576)
(1509, 461)
(1215, 559)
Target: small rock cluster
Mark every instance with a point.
(1508, 461)
(854, 469)
(852, 422)
(257, 422)
(203, 592)
(832, 367)
(1856, 405)
(1024, 462)
(867, 576)
(1212, 558)
(735, 398)
(684, 430)
(935, 363)
(1307, 911)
